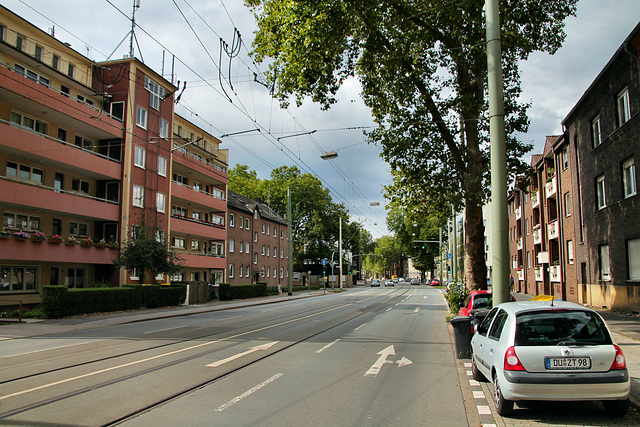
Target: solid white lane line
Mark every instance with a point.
(45, 349)
(327, 346)
(360, 327)
(248, 392)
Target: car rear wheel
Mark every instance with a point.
(475, 373)
(503, 407)
(616, 408)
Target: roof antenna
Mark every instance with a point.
(136, 5)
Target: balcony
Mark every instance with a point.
(18, 250)
(537, 235)
(555, 274)
(201, 260)
(518, 212)
(519, 243)
(550, 187)
(539, 273)
(535, 199)
(194, 227)
(553, 231)
(191, 195)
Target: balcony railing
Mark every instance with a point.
(535, 199)
(550, 187)
(537, 235)
(553, 230)
(538, 273)
(518, 212)
(519, 243)
(215, 196)
(555, 274)
(198, 221)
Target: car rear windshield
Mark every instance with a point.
(560, 327)
(484, 301)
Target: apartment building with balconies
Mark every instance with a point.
(60, 166)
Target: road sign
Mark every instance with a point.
(448, 256)
(324, 262)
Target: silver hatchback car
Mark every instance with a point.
(549, 350)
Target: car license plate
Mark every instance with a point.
(567, 362)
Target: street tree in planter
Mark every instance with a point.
(148, 255)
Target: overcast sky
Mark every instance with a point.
(191, 31)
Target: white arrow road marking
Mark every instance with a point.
(374, 370)
(403, 362)
(244, 353)
(416, 310)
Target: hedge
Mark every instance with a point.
(228, 292)
(60, 301)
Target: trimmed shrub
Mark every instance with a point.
(228, 292)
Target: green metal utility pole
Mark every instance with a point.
(500, 226)
(290, 245)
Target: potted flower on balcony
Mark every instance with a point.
(54, 238)
(114, 245)
(70, 241)
(21, 235)
(86, 242)
(101, 244)
(38, 236)
(5, 234)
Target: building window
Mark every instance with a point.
(21, 222)
(246, 223)
(241, 247)
(116, 109)
(281, 272)
(178, 242)
(20, 42)
(141, 117)
(567, 204)
(565, 158)
(268, 250)
(623, 108)
(240, 270)
(195, 245)
(138, 196)
(38, 53)
(139, 156)
(263, 228)
(570, 251)
(633, 255)
(255, 257)
(275, 252)
(71, 70)
(263, 250)
(156, 93)
(78, 228)
(601, 201)
(241, 222)
(268, 272)
(55, 61)
(247, 271)
(164, 129)
(232, 220)
(231, 271)
(281, 252)
(629, 178)
(29, 123)
(161, 200)
(281, 233)
(255, 236)
(162, 166)
(25, 172)
(605, 272)
(247, 247)
(16, 278)
(232, 245)
(80, 185)
(596, 135)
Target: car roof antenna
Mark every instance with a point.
(552, 298)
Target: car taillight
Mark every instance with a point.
(511, 361)
(618, 361)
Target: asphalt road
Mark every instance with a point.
(372, 356)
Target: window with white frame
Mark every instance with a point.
(231, 271)
(596, 134)
(162, 166)
(274, 272)
(240, 270)
(241, 247)
(20, 221)
(605, 272)
(25, 172)
(163, 130)
(565, 158)
(281, 272)
(138, 196)
(255, 236)
(263, 228)
(246, 223)
(18, 278)
(156, 93)
(241, 222)
(232, 220)
(268, 250)
(161, 200)
(629, 178)
(567, 204)
(633, 257)
(623, 107)
(78, 228)
(601, 201)
(195, 245)
(141, 117)
(232, 245)
(178, 242)
(263, 250)
(570, 251)
(281, 252)
(29, 122)
(139, 157)
(247, 271)
(255, 257)
(268, 274)
(275, 252)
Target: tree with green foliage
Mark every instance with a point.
(423, 70)
(147, 254)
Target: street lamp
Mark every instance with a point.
(329, 155)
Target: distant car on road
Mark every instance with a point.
(544, 350)
(375, 282)
(415, 281)
(435, 282)
(389, 283)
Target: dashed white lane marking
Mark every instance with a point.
(360, 327)
(327, 346)
(248, 393)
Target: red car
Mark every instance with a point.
(435, 282)
(477, 300)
